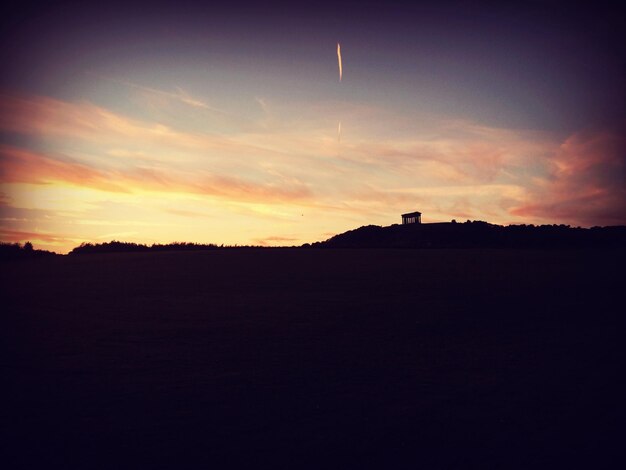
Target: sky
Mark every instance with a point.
(182, 121)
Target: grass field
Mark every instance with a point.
(314, 358)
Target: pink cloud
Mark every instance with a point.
(276, 241)
(49, 118)
(586, 183)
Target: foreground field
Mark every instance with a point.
(343, 358)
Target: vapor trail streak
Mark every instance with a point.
(339, 133)
(339, 61)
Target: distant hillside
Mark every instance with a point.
(477, 234)
(129, 247)
(11, 251)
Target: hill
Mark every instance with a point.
(477, 234)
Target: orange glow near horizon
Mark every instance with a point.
(85, 173)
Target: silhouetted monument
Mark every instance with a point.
(412, 218)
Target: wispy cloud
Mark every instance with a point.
(180, 95)
(185, 213)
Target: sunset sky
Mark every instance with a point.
(186, 122)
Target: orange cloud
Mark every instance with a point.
(24, 166)
(17, 236)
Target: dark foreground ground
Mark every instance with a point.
(314, 358)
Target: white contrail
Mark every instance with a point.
(340, 76)
(339, 61)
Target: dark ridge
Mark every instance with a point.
(477, 234)
(11, 251)
(470, 234)
(129, 247)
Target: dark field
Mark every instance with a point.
(294, 358)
